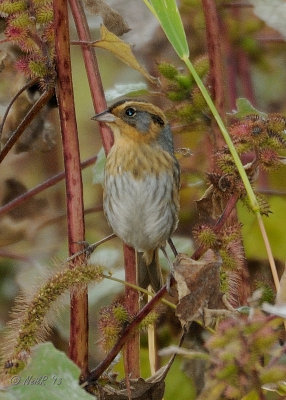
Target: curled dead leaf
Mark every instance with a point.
(152, 388)
(198, 286)
(121, 50)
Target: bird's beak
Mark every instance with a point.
(104, 116)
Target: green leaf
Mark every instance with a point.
(98, 169)
(244, 108)
(166, 11)
(253, 395)
(50, 375)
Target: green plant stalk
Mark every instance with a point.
(180, 45)
(269, 252)
(252, 198)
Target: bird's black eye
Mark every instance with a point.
(130, 112)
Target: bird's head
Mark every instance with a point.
(139, 121)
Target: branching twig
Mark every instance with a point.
(31, 114)
(25, 87)
(39, 188)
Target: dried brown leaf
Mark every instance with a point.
(210, 205)
(121, 50)
(198, 285)
(140, 389)
(111, 18)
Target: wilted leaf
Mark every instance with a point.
(206, 205)
(244, 108)
(111, 18)
(152, 388)
(213, 202)
(140, 390)
(49, 375)
(121, 50)
(198, 285)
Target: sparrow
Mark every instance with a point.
(141, 183)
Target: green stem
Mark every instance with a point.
(269, 252)
(253, 202)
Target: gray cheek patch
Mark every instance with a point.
(141, 121)
(165, 139)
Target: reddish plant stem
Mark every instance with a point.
(78, 347)
(124, 335)
(245, 76)
(40, 188)
(131, 354)
(237, 5)
(216, 74)
(31, 114)
(11, 254)
(92, 70)
(231, 66)
(99, 102)
(219, 224)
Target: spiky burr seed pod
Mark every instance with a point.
(30, 325)
(169, 71)
(202, 65)
(205, 235)
(111, 321)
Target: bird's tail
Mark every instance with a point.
(148, 270)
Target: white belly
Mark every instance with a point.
(142, 211)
